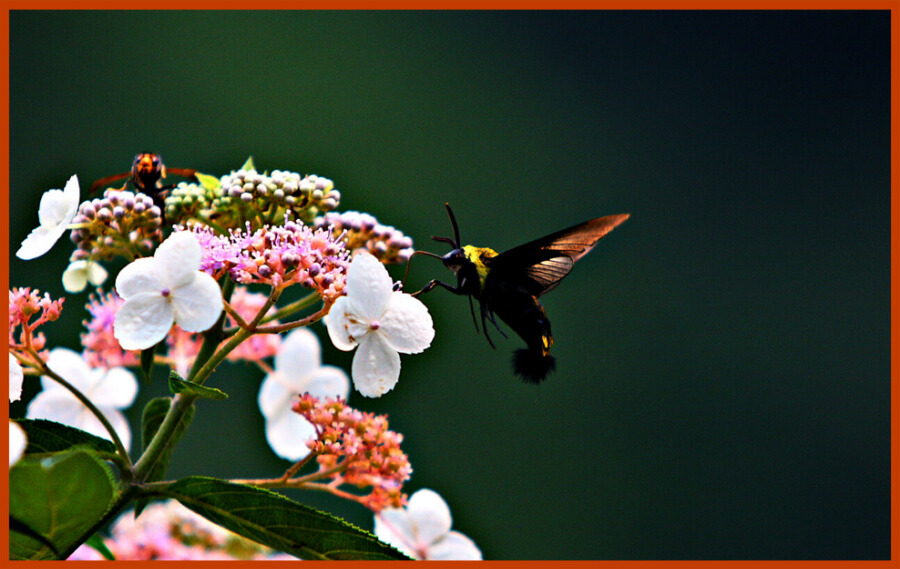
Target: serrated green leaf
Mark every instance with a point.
(154, 413)
(178, 385)
(60, 498)
(49, 436)
(206, 181)
(278, 522)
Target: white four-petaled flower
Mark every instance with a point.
(298, 370)
(422, 529)
(381, 321)
(166, 288)
(57, 209)
(108, 389)
(81, 272)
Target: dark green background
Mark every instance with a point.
(723, 372)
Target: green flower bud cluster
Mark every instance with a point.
(189, 200)
(120, 223)
(268, 198)
(361, 230)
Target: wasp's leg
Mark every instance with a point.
(494, 322)
(484, 325)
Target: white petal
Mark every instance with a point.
(454, 546)
(16, 378)
(74, 278)
(407, 325)
(298, 356)
(115, 388)
(71, 366)
(376, 367)
(328, 382)
(62, 407)
(429, 515)
(199, 304)
(392, 526)
(288, 433)
(275, 395)
(369, 286)
(17, 443)
(338, 322)
(139, 277)
(96, 274)
(179, 259)
(143, 321)
(55, 213)
(39, 241)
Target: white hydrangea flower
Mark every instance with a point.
(298, 370)
(16, 378)
(108, 389)
(384, 323)
(57, 209)
(164, 289)
(17, 443)
(422, 529)
(79, 273)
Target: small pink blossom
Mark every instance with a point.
(367, 453)
(101, 349)
(28, 310)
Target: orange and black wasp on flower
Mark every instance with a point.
(508, 284)
(146, 175)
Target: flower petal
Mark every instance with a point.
(429, 515)
(199, 304)
(275, 395)
(179, 259)
(407, 325)
(62, 407)
(143, 321)
(299, 356)
(338, 322)
(369, 286)
(288, 433)
(139, 277)
(75, 277)
(55, 213)
(392, 526)
(376, 366)
(328, 382)
(17, 443)
(115, 387)
(71, 367)
(16, 378)
(454, 546)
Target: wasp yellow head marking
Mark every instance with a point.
(477, 256)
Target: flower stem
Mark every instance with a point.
(291, 308)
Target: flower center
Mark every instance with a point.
(165, 292)
(374, 325)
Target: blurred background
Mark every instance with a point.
(722, 386)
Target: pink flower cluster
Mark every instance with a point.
(169, 531)
(101, 348)
(24, 305)
(359, 449)
(277, 256)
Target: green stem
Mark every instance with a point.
(181, 403)
(292, 308)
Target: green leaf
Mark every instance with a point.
(97, 543)
(49, 436)
(206, 181)
(59, 498)
(177, 385)
(248, 165)
(154, 413)
(278, 522)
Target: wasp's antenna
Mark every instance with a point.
(406, 274)
(455, 227)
